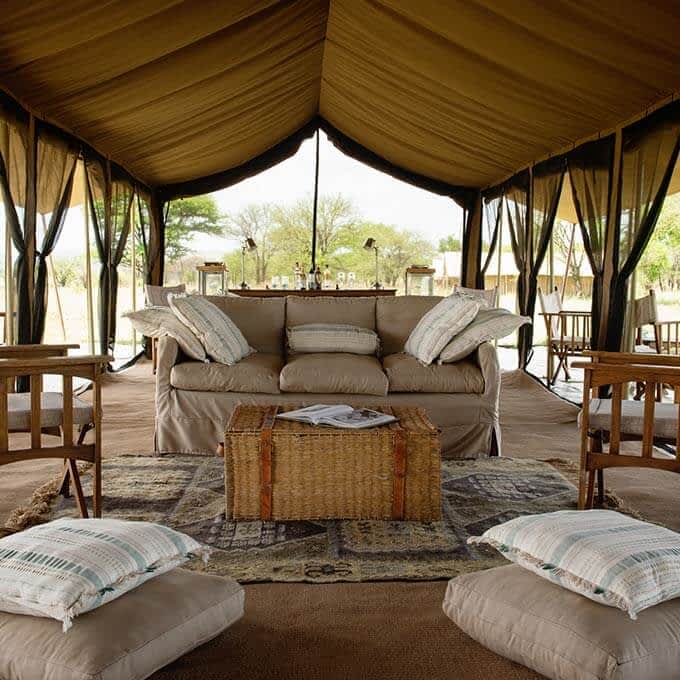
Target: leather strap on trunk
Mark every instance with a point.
(266, 449)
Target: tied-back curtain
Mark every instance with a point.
(649, 154)
(491, 229)
(531, 202)
(516, 199)
(590, 173)
(143, 234)
(110, 201)
(56, 167)
(14, 160)
(548, 179)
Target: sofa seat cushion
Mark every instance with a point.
(561, 634)
(406, 374)
(129, 638)
(332, 373)
(257, 373)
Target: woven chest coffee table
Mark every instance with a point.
(285, 470)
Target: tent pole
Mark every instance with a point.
(568, 262)
(88, 265)
(133, 262)
(50, 267)
(9, 289)
(316, 202)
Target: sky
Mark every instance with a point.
(377, 197)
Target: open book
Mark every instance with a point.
(339, 415)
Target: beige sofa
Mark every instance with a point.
(194, 400)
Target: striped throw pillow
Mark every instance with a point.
(220, 336)
(67, 567)
(490, 324)
(332, 337)
(154, 322)
(436, 328)
(608, 557)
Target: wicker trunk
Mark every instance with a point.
(284, 470)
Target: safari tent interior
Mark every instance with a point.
(522, 113)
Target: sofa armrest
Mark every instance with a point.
(487, 358)
(167, 356)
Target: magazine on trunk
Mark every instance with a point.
(338, 415)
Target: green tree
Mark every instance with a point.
(660, 264)
(255, 221)
(188, 217)
(450, 244)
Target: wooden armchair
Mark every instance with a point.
(56, 413)
(568, 333)
(618, 419)
(666, 338)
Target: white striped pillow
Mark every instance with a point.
(67, 567)
(222, 339)
(332, 337)
(434, 331)
(155, 322)
(608, 557)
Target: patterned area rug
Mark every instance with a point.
(187, 493)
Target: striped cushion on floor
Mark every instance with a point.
(608, 557)
(70, 566)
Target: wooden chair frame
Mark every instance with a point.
(36, 362)
(569, 334)
(616, 369)
(666, 333)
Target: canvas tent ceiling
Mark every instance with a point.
(463, 91)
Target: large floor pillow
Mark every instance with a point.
(562, 634)
(127, 639)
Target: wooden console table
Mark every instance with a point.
(324, 292)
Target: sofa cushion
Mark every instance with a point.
(406, 374)
(359, 311)
(332, 337)
(156, 322)
(261, 320)
(560, 634)
(396, 317)
(333, 373)
(257, 373)
(128, 639)
(433, 332)
(221, 337)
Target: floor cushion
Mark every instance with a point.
(561, 634)
(257, 373)
(406, 374)
(127, 639)
(330, 373)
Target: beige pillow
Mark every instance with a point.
(157, 296)
(447, 318)
(155, 322)
(560, 634)
(332, 337)
(489, 324)
(128, 639)
(220, 336)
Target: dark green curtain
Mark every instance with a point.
(110, 199)
(590, 173)
(649, 154)
(55, 171)
(516, 199)
(143, 231)
(531, 201)
(14, 161)
(491, 229)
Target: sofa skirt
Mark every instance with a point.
(194, 422)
